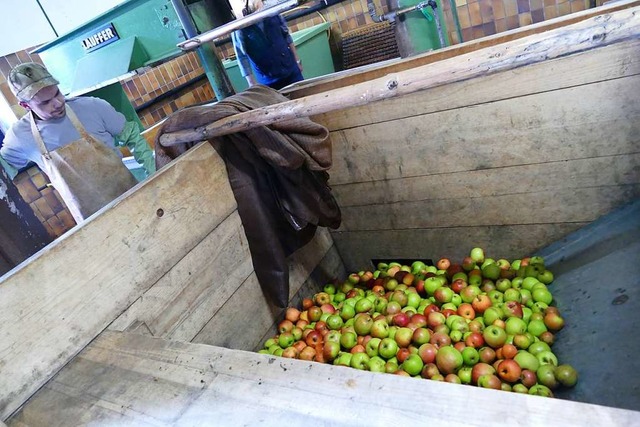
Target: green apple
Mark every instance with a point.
(335, 322)
(491, 314)
(526, 360)
(387, 348)
(413, 365)
(538, 347)
(566, 375)
(536, 327)
(547, 358)
(515, 325)
(360, 361)
(371, 348)
(377, 364)
(540, 390)
(546, 376)
(494, 336)
(343, 359)
(470, 356)
(542, 295)
(528, 282)
(348, 340)
(503, 284)
(491, 271)
(413, 299)
(477, 254)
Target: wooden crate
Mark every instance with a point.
(143, 314)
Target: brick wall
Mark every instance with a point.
(172, 74)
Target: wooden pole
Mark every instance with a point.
(599, 31)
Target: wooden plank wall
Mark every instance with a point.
(127, 379)
(511, 162)
(168, 258)
(212, 293)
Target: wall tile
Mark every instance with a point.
(489, 28)
(463, 17)
(44, 207)
(474, 13)
(478, 31)
(486, 11)
(564, 8)
(501, 25)
(510, 7)
(577, 6)
(5, 67)
(498, 9)
(550, 12)
(26, 188)
(525, 19)
(536, 4)
(537, 15)
(523, 6)
(513, 22)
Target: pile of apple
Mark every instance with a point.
(483, 322)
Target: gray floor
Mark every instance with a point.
(597, 289)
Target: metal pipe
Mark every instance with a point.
(436, 16)
(225, 29)
(217, 75)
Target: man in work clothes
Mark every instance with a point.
(73, 141)
(266, 52)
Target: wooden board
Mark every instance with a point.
(351, 77)
(521, 151)
(248, 306)
(358, 248)
(620, 60)
(129, 379)
(58, 301)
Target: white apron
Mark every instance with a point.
(86, 172)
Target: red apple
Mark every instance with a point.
(487, 354)
(509, 370)
(458, 285)
(440, 339)
(481, 303)
(474, 339)
(307, 303)
(402, 354)
(443, 264)
(466, 310)
(528, 378)
(480, 369)
(448, 360)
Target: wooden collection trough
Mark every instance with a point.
(149, 312)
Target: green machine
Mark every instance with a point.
(94, 57)
(422, 25)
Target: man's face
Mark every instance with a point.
(48, 103)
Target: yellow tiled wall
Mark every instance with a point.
(480, 18)
(147, 86)
(45, 201)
